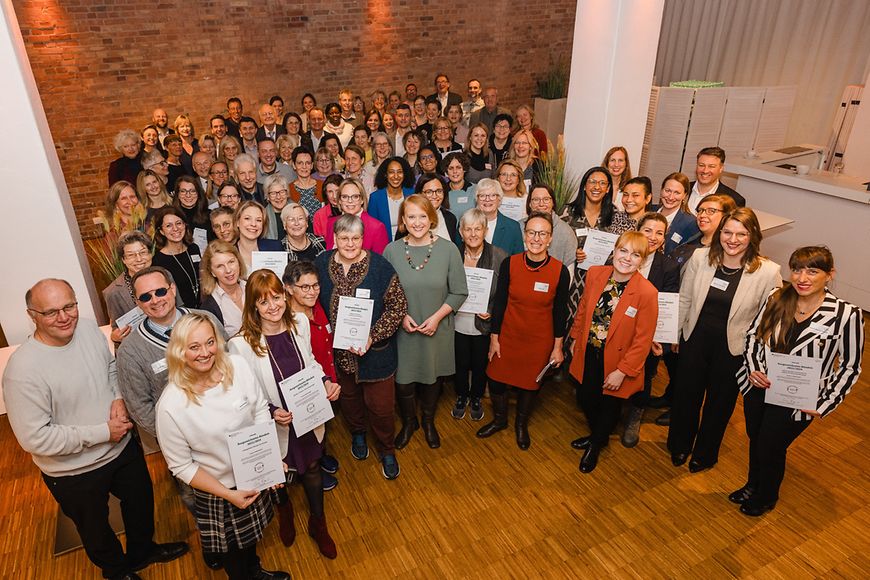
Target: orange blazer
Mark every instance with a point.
(629, 337)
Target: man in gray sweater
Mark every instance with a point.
(61, 392)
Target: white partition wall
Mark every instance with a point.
(612, 64)
(39, 236)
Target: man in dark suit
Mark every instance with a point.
(269, 128)
(316, 121)
(234, 108)
(442, 93)
(490, 109)
(711, 163)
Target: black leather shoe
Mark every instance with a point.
(127, 576)
(696, 466)
(679, 459)
(582, 442)
(270, 575)
(163, 553)
(741, 495)
(664, 419)
(590, 459)
(658, 403)
(752, 510)
(213, 560)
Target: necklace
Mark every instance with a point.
(428, 254)
(295, 351)
(472, 256)
(129, 282)
(289, 243)
(527, 259)
(194, 281)
(813, 309)
(726, 271)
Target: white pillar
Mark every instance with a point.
(39, 235)
(612, 66)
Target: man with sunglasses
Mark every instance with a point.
(142, 371)
(61, 392)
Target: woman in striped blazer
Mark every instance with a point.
(800, 319)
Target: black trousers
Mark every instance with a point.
(471, 356)
(771, 430)
(706, 379)
(241, 564)
(84, 498)
(602, 411)
(672, 363)
(650, 369)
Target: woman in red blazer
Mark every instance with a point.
(613, 334)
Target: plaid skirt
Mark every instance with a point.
(223, 526)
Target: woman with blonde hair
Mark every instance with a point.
(129, 164)
(510, 176)
(524, 151)
(124, 210)
(196, 411)
(151, 189)
(480, 158)
(525, 121)
(183, 127)
(222, 274)
(618, 166)
(276, 343)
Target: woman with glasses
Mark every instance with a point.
(431, 186)
(514, 192)
(442, 136)
(277, 192)
(177, 253)
(156, 162)
(222, 273)
(395, 182)
(366, 375)
(299, 243)
(229, 196)
(222, 224)
(218, 174)
(134, 249)
(191, 201)
(433, 278)
(500, 140)
(352, 200)
(723, 288)
(682, 225)
(276, 344)
(501, 230)
(529, 318)
(382, 150)
(324, 165)
(563, 245)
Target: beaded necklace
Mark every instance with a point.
(428, 254)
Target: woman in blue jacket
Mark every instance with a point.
(395, 182)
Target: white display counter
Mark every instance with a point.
(827, 209)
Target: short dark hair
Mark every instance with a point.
(503, 117)
(434, 101)
(276, 98)
(717, 152)
(459, 156)
(301, 150)
(543, 186)
(167, 275)
(247, 120)
(216, 117)
(641, 180)
(310, 96)
(295, 270)
(404, 107)
(410, 85)
(381, 175)
(331, 106)
(233, 100)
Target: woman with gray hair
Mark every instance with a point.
(276, 189)
(156, 162)
(299, 243)
(127, 166)
(134, 248)
(366, 375)
(472, 329)
(501, 230)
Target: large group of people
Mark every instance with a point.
(404, 204)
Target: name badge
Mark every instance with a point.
(363, 293)
(719, 284)
(195, 258)
(487, 166)
(581, 232)
(542, 287)
(462, 199)
(631, 311)
(328, 328)
(158, 366)
(677, 237)
(528, 183)
(820, 329)
(213, 205)
(241, 404)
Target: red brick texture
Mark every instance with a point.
(104, 65)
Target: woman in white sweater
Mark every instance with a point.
(276, 345)
(210, 394)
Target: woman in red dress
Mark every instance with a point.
(528, 325)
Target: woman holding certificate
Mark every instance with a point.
(251, 223)
(722, 289)
(365, 374)
(802, 319)
(613, 333)
(276, 344)
(528, 325)
(431, 272)
(210, 394)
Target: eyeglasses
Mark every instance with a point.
(134, 255)
(672, 191)
(187, 192)
(173, 225)
(599, 183)
(487, 196)
(540, 200)
(147, 296)
(308, 287)
(538, 234)
(502, 126)
(296, 220)
(429, 157)
(278, 193)
(354, 197)
(216, 172)
(737, 235)
(50, 315)
(510, 175)
(229, 196)
(433, 192)
(348, 239)
(709, 211)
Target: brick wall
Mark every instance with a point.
(105, 65)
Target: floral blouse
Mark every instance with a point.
(604, 311)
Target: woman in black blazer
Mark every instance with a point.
(664, 274)
(682, 225)
(801, 319)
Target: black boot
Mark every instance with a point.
(631, 426)
(499, 411)
(431, 394)
(407, 397)
(525, 402)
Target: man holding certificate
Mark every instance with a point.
(277, 345)
(817, 341)
(210, 395)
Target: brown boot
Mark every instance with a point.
(317, 530)
(286, 526)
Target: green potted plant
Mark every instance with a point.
(552, 102)
(553, 172)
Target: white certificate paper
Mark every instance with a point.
(275, 261)
(513, 207)
(669, 313)
(479, 285)
(256, 457)
(353, 322)
(200, 238)
(794, 381)
(598, 247)
(305, 396)
(130, 318)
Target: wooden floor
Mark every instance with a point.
(484, 509)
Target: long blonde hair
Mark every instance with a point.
(179, 373)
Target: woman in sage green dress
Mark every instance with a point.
(433, 277)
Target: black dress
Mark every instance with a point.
(184, 268)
